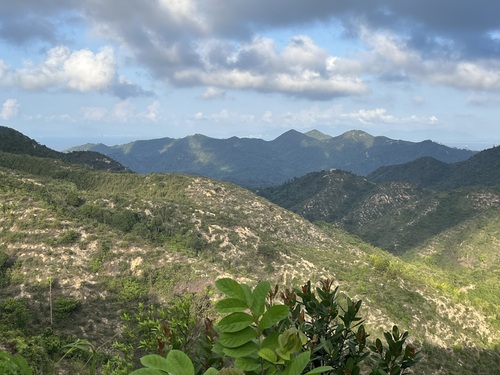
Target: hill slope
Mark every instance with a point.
(254, 162)
(395, 216)
(113, 240)
(482, 169)
(12, 141)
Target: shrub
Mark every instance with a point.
(64, 306)
(312, 332)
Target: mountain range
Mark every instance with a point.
(257, 163)
(85, 253)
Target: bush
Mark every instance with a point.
(64, 307)
(13, 364)
(312, 332)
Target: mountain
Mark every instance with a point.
(80, 248)
(396, 207)
(482, 168)
(258, 163)
(12, 141)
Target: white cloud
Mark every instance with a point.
(86, 71)
(9, 109)
(94, 113)
(213, 93)
(81, 70)
(382, 116)
(153, 112)
(301, 69)
(123, 111)
(479, 75)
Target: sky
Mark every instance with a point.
(115, 71)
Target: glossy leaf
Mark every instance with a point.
(247, 364)
(273, 315)
(148, 371)
(298, 364)
(155, 361)
(179, 363)
(259, 298)
(230, 288)
(229, 305)
(242, 351)
(268, 354)
(235, 339)
(235, 322)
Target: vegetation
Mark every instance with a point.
(311, 332)
(109, 257)
(255, 163)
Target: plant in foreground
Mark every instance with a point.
(310, 333)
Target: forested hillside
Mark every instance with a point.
(251, 162)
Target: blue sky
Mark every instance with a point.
(78, 71)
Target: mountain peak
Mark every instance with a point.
(290, 136)
(316, 134)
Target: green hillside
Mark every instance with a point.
(12, 141)
(93, 245)
(481, 169)
(254, 163)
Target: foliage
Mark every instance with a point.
(86, 347)
(396, 358)
(64, 307)
(14, 314)
(311, 332)
(13, 364)
(335, 333)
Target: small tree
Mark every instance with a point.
(310, 333)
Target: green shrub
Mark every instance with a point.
(64, 306)
(311, 332)
(13, 364)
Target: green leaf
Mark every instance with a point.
(259, 298)
(298, 364)
(248, 294)
(319, 370)
(290, 342)
(231, 288)
(235, 339)
(273, 315)
(230, 305)
(271, 341)
(155, 361)
(148, 371)
(247, 364)
(211, 371)
(268, 354)
(242, 351)
(235, 322)
(179, 363)
(231, 371)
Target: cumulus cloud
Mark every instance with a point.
(9, 109)
(221, 45)
(79, 70)
(302, 68)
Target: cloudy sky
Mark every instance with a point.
(112, 71)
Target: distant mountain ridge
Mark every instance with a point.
(254, 162)
(12, 141)
(482, 168)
